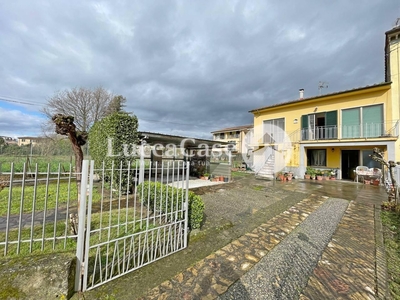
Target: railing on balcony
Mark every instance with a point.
(320, 133)
(367, 130)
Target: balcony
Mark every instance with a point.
(334, 132)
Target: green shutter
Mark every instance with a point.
(331, 118)
(304, 121)
(331, 130)
(372, 120)
(351, 123)
(304, 126)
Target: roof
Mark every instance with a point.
(322, 96)
(30, 137)
(186, 142)
(237, 128)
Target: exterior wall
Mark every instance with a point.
(393, 52)
(232, 136)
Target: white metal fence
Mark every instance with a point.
(123, 225)
(35, 208)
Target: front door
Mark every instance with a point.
(350, 161)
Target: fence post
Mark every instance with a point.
(80, 246)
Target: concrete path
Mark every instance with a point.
(321, 248)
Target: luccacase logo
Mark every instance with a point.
(267, 146)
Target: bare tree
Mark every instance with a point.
(86, 105)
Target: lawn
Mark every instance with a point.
(391, 224)
(41, 161)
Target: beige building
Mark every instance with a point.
(233, 135)
(27, 140)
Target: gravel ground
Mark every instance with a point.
(284, 272)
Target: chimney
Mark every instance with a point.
(301, 93)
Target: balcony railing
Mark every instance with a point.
(367, 130)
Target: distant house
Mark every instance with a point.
(27, 140)
(234, 136)
(9, 140)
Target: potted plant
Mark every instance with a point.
(307, 175)
(312, 173)
(332, 175)
(318, 173)
(289, 176)
(206, 176)
(280, 176)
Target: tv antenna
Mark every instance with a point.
(322, 85)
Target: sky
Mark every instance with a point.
(186, 67)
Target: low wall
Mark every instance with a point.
(45, 276)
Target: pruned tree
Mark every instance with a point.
(65, 126)
(377, 155)
(86, 105)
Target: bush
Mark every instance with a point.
(115, 131)
(160, 197)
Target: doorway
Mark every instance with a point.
(350, 161)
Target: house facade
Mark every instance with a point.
(28, 140)
(234, 136)
(333, 131)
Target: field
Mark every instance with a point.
(54, 162)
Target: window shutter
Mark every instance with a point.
(331, 118)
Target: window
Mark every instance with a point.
(222, 136)
(316, 157)
(274, 131)
(319, 126)
(364, 121)
(368, 161)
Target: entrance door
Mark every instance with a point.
(350, 161)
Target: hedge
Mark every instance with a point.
(161, 197)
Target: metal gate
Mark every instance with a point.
(125, 224)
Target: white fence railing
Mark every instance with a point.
(114, 224)
(35, 208)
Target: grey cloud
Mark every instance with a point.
(192, 66)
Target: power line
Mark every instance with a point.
(19, 101)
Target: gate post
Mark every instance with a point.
(80, 245)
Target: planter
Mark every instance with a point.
(319, 177)
(221, 178)
(281, 177)
(332, 178)
(367, 181)
(376, 182)
(307, 176)
(226, 179)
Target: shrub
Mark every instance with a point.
(160, 197)
(115, 131)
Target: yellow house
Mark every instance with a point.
(233, 135)
(333, 131)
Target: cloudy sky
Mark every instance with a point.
(186, 67)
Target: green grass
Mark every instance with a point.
(238, 174)
(51, 196)
(391, 223)
(42, 161)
